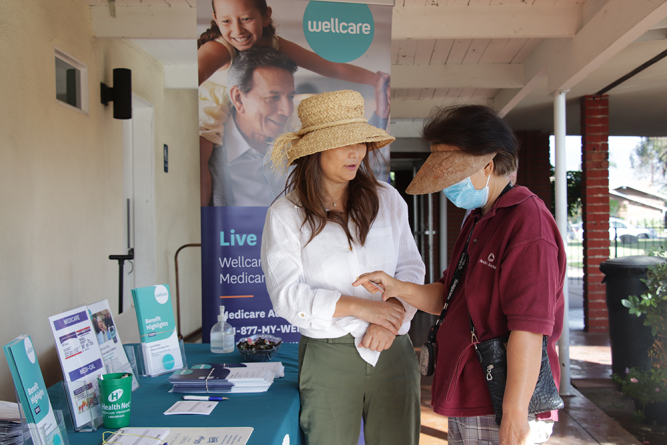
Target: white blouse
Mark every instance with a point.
(305, 280)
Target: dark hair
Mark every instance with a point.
(241, 72)
(213, 32)
(362, 201)
(475, 129)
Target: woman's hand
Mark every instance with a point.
(379, 281)
(382, 313)
(514, 430)
(377, 338)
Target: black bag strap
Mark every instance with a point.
(456, 279)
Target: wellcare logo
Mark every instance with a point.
(338, 32)
(161, 294)
(29, 349)
(115, 395)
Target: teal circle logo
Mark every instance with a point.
(57, 440)
(168, 361)
(338, 32)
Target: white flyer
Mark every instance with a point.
(81, 363)
(108, 338)
(209, 435)
(201, 407)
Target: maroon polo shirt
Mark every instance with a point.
(513, 282)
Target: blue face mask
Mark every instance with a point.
(464, 195)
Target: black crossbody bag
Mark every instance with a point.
(492, 355)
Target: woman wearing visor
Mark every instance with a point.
(511, 283)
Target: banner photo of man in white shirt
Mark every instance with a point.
(261, 89)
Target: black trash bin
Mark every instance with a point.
(630, 339)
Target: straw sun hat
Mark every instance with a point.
(445, 166)
(328, 120)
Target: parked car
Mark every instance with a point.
(576, 231)
(627, 233)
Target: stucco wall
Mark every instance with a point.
(61, 177)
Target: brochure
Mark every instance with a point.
(157, 329)
(222, 380)
(31, 390)
(81, 363)
(276, 367)
(108, 339)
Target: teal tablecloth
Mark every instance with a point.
(273, 414)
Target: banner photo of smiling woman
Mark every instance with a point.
(258, 59)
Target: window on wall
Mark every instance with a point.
(71, 82)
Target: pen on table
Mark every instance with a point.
(209, 398)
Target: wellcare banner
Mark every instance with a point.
(257, 61)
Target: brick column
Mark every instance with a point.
(595, 211)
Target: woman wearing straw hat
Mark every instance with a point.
(336, 222)
(510, 281)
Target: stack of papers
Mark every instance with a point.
(226, 378)
(11, 429)
(138, 436)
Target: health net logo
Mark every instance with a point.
(338, 32)
(115, 395)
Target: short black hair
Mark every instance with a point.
(475, 129)
(244, 65)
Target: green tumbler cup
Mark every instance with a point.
(115, 392)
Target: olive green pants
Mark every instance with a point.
(338, 388)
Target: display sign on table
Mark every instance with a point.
(81, 363)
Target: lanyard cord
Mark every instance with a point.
(456, 278)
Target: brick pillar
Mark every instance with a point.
(595, 211)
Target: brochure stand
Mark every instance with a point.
(88, 398)
(135, 355)
(57, 437)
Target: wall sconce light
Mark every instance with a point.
(120, 94)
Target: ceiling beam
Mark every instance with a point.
(144, 23)
(507, 99)
(615, 26)
(416, 109)
(457, 76)
(486, 22)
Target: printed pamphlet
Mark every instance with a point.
(108, 339)
(81, 363)
(157, 329)
(31, 390)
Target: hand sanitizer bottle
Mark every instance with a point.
(217, 333)
(228, 333)
(222, 334)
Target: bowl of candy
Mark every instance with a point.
(259, 347)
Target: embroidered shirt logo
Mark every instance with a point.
(490, 260)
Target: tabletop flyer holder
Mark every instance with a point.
(31, 434)
(85, 396)
(135, 355)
